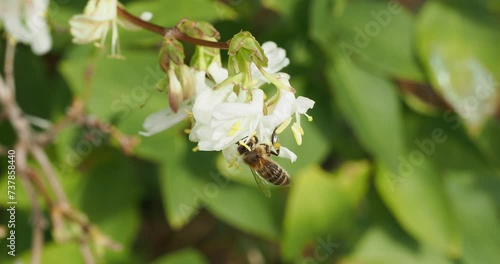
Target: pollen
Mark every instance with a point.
(297, 133)
(234, 129)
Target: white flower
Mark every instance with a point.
(24, 20)
(227, 122)
(222, 117)
(98, 18)
(224, 113)
(277, 60)
(166, 118)
(283, 111)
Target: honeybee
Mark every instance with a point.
(258, 158)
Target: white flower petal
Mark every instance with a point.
(206, 101)
(101, 9)
(231, 154)
(162, 120)
(303, 104)
(226, 122)
(276, 56)
(287, 154)
(146, 16)
(235, 110)
(277, 60)
(25, 21)
(217, 73)
(98, 18)
(283, 109)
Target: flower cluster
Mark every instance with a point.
(225, 105)
(100, 17)
(227, 108)
(24, 21)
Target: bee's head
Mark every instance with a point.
(247, 145)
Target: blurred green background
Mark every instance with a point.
(400, 165)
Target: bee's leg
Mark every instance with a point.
(276, 150)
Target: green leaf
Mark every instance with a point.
(109, 195)
(460, 53)
(58, 254)
(190, 256)
(372, 108)
(109, 186)
(488, 141)
(284, 7)
(186, 179)
(477, 212)
(118, 88)
(247, 209)
(375, 33)
(382, 246)
(322, 204)
(122, 91)
(418, 201)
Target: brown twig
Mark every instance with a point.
(27, 144)
(3, 150)
(10, 51)
(74, 114)
(86, 253)
(127, 143)
(42, 159)
(21, 125)
(35, 179)
(38, 219)
(172, 32)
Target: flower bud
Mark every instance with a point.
(203, 56)
(244, 46)
(188, 82)
(171, 51)
(175, 94)
(198, 29)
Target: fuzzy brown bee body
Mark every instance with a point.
(257, 157)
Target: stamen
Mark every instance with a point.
(232, 163)
(283, 125)
(191, 120)
(235, 128)
(195, 149)
(309, 118)
(187, 131)
(244, 145)
(296, 129)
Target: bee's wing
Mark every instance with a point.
(261, 183)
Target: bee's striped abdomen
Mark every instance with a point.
(275, 174)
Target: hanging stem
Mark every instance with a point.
(172, 32)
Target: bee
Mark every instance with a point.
(258, 158)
